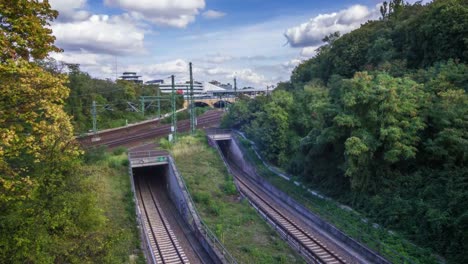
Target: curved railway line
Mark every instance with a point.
(309, 245)
(147, 130)
(166, 248)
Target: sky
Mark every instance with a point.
(257, 41)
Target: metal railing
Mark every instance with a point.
(206, 231)
(376, 245)
(214, 131)
(147, 154)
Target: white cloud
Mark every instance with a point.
(247, 75)
(177, 66)
(82, 57)
(252, 77)
(219, 71)
(312, 32)
(292, 63)
(100, 34)
(213, 14)
(217, 58)
(70, 10)
(174, 13)
(309, 52)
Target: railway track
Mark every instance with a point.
(310, 246)
(150, 130)
(163, 242)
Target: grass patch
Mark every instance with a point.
(109, 176)
(236, 224)
(390, 245)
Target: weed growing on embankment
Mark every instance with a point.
(113, 190)
(236, 224)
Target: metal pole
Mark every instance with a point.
(235, 88)
(159, 104)
(193, 119)
(142, 99)
(93, 112)
(174, 115)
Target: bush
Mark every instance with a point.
(202, 197)
(229, 187)
(118, 151)
(164, 143)
(95, 154)
(215, 208)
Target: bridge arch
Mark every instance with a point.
(221, 104)
(201, 104)
(211, 102)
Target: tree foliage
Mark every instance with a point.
(48, 212)
(25, 34)
(379, 119)
(113, 100)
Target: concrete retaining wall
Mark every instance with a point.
(181, 200)
(236, 154)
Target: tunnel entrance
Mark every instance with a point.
(224, 146)
(154, 175)
(201, 104)
(161, 204)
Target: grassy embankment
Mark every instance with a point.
(113, 190)
(237, 225)
(391, 245)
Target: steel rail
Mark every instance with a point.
(173, 241)
(167, 251)
(159, 131)
(307, 241)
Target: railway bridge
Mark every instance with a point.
(211, 102)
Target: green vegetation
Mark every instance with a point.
(54, 207)
(378, 120)
(390, 245)
(111, 184)
(112, 99)
(236, 224)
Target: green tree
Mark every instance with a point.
(47, 212)
(24, 29)
(382, 115)
(269, 129)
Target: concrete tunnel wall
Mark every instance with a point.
(169, 176)
(180, 198)
(234, 153)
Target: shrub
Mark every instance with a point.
(229, 187)
(202, 197)
(95, 154)
(118, 151)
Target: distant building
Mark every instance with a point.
(222, 85)
(227, 86)
(214, 82)
(160, 81)
(131, 77)
(194, 83)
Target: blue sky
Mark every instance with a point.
(258, 41)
